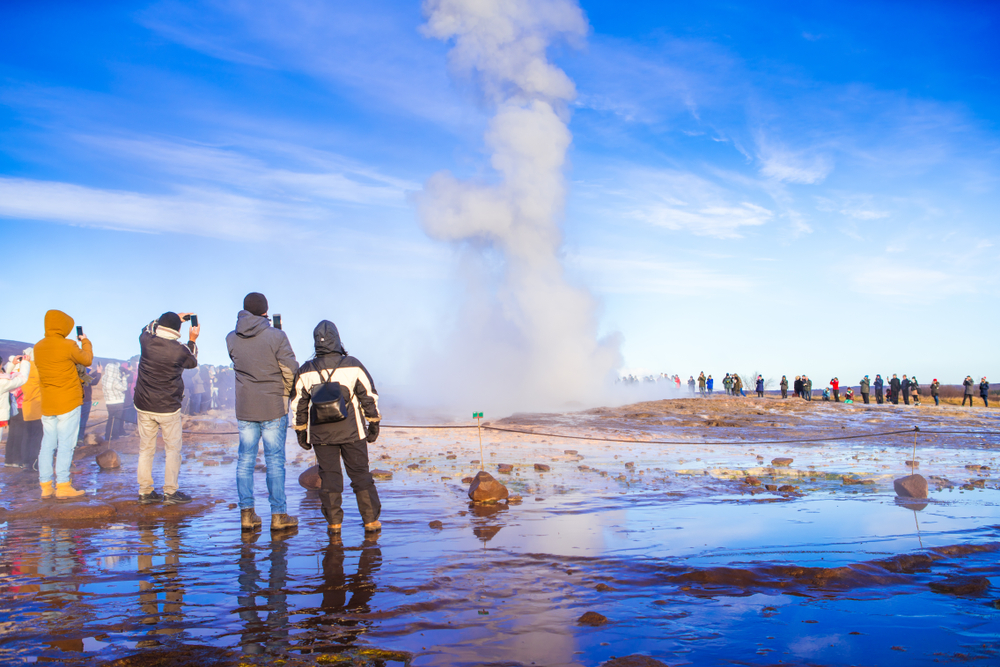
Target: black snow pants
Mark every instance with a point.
(355, 455)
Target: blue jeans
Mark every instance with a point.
(273, 433)
(59, 439)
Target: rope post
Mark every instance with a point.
(913, 461)
(479, 426)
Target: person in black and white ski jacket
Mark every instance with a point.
(347, 438)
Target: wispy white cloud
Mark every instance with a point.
(637, 274)
(786, 165)
(905, 282)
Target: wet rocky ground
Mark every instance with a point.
(707, 550)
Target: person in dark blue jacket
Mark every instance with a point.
(760, 386)
(879, 396)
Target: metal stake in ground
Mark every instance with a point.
(482, 459)
(913, 461)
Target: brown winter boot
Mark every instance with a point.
(373, 527)
(283, 522)
(333, 529)
(249, 520)
(65, 491)
(48, 490)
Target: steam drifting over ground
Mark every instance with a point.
(524, 337)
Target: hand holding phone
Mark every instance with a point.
(79, 333)
(194, 320)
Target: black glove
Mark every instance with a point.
(372, 432)
(303, 437)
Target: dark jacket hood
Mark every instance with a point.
(327, 339)
(249, 325)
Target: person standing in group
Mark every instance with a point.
(14, 376)
(797, 386)
(936, 392)
(807, 387)
(56, 358)
(760, 386)
(727, 384)
(701, 383)
(894, 390)
(691, 384)
(967, 383)
(334, 396)
(265, 373)
(835, 386)
(984, 392)
(905, 387)
(879, 386)
(87, 379)
(114, 384)
(915, 390)
(737, 385)
(865, 389)
(784, 386)
(25, 436)
(710, 383)
(159, 392)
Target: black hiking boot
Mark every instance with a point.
(150, 498)
(176, 498)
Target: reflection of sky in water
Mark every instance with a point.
(532, 567)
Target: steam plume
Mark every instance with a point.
(525, 337)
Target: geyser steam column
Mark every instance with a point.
(532, 334)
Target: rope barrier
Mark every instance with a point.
(819, 438)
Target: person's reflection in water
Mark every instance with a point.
(167, 578)
(258, 635)
(340, 614)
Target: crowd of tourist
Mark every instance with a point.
(46, 395)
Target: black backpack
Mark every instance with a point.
(328, 404)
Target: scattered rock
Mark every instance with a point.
(781, 462)
(752, 481)
(630, 464)
(514, 500)
(787, 488)
(634, 661)
(913, 464)
(92, 440)
(972, 466)
(232, 506)
(451, 457)
(381, 474)
(571, 452)
(851, 480)
(466, 480)
(309, 479)
(210, 462)
(474, 462)
(505, 467)
(541, 467)
(413, 466)
(971, 585)
(592, 618)
(603, 588)
(771, 487)
(911, 486)
(436, 525)
(445, 479)
(486, 489)
(108, 459)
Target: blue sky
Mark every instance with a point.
(751, 186)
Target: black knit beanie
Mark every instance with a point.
(255, 303)
(170, 320)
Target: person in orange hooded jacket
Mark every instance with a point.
(62, 395)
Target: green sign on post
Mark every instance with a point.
(477, 415)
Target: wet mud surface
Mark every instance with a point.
(690, 553)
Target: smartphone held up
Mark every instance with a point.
(277, 321)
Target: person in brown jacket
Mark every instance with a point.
(62, 395)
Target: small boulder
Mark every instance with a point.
(108, 460)
(381, 474)
(541, 467)
(571, 452)
(752, 481)
(634, 661)
(486, 489)
(309, 479)
(911, 486)
(451, 457)
(413, 466)
(592, 618)
(603, 588)
(505, 467)
(961, 585)
(436, 525)
(466, 480)
(787, 488)
(630, 464)
(972, 466)
(913, 464)
(771, 487)
(781, 462)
